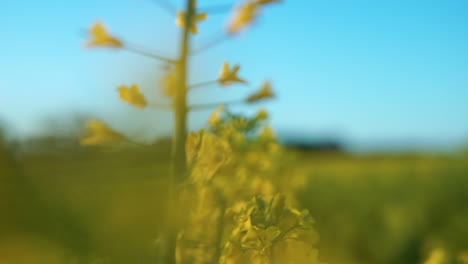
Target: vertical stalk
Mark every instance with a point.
(178, 166)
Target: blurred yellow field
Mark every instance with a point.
(107, 206)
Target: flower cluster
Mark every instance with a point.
(268, 231)
(230, 163)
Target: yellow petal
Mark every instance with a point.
(215, 116)
(101, 134)
(133, 96)
(201, 16)
(267, 134)
(193, 29)
(181, 21)
(101, 38)
(229, 76)
(224, 71)
(264, 93)
(210, 152)
(437, 256)
(169, 83)
(243, 17)
(262, 114)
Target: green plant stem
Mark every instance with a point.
(214, 41)
(179, 166)
(161, 106)
(147, 54)
(203, 84)
(214, 105)
(180, 100)
(166, 6)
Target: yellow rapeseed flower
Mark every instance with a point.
(262, 114)
(133, 96)
(264, 93)
(215, 116)
(101, 38)
(100, 134)
(193, 28)
(244, 16)
(206, 154)
(437, 256)
(169, 82)
(229, 76)
(267, 134)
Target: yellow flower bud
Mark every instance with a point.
(229, 76)
(101, 38)
(169, 82)
(264, 93)
(267, 134)
(243, 17)
(101, 134)
(193, 28)
(132, 95)
(262, 115)
(215, 119)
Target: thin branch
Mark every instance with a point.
(166, 107)
(202, 84)
(218, 39)
(214, 105)
(147, 54)
(166, 6)
(217, 9)
(132, 48)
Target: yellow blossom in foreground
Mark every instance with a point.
(133, 96)
(267, 134)
(101, 38)
(244, 16)
(206, 154)
(264, 93)
(100, 134)
(193, 28)
(437, 256)
(229, 76)
(463, 257)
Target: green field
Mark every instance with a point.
(94, 206)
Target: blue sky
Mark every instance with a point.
(366, 71)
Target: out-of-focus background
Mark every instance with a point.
(371, 101)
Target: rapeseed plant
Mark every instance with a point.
(233, 211)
